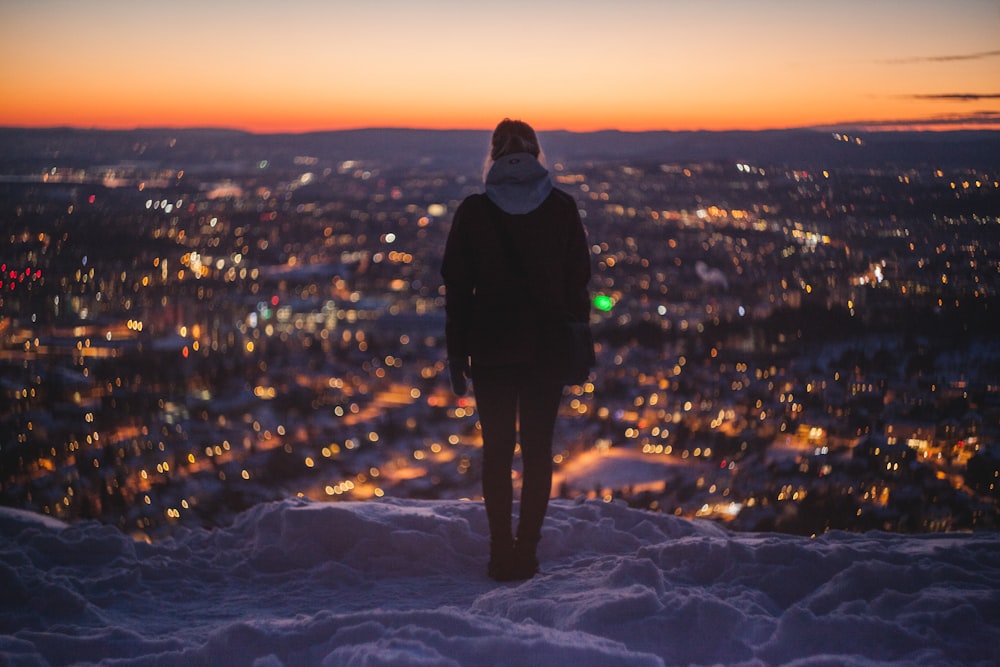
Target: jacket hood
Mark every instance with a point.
(518, 183)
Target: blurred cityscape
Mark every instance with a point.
(786, 347)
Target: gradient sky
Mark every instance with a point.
(300, 65)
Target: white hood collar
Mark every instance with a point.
(518, 183)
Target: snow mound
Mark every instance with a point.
(403, 583)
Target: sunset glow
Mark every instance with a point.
(634, 65)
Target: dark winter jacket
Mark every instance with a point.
(501, 312)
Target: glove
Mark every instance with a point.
(458, 368)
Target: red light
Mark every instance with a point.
(92, 198)
(274, 301)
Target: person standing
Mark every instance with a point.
(516, 258)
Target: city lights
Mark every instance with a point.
(766, 336)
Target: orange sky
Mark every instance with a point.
(583, 65)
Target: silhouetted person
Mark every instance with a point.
(515, 260)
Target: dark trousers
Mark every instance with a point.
(511, 399)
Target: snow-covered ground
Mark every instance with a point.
(403, 583)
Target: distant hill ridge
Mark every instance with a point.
(22, 148)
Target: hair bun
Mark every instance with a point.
(513, 136)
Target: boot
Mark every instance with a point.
(525, 560)
(501, 565)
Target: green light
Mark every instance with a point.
(603, 302)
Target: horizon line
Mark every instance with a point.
(856, 126)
